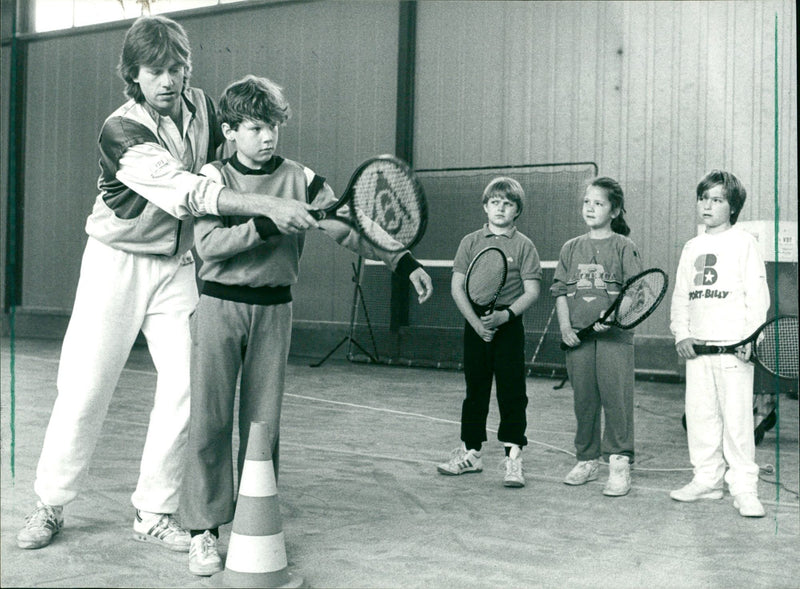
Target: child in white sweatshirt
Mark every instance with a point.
(720, 297)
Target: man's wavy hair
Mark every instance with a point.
(153, 41)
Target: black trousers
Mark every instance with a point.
(502, 359)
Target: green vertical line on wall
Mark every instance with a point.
(777, 289)
(11, 251)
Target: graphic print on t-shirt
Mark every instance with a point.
(592, 282)
(706, 275)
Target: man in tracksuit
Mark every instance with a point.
(137, 273)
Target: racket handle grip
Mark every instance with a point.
(701, 349)
(586, 331)
(318, 214)
(582, 334)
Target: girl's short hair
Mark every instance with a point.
(507, 188)
(617, 199)
(254, 98)
(153, 41)
(733, 189)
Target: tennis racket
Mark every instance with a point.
(486, 277)
(774, 346)
(386, 204)
(637, 300)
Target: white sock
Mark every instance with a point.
(515, 451)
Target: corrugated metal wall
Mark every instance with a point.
(336, 61)
(657, 93)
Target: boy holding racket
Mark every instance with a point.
(243, 321)
(494, 344)
(720, 297)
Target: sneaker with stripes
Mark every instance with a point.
(40, 526)
(160, 528)
(462, 461)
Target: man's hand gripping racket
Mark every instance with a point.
(386, 204)
(639, 297)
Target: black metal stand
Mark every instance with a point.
(358, 295)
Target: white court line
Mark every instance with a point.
(380, 409)
(377, 409)
(549, 264)
(453, 422)
(409, 414)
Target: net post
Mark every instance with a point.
(399, 303)
(404, 135)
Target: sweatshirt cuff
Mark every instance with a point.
(680, 336)
(406, 265)
(266, 227)
(211, 197)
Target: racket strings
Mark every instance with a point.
(387, 203)
(641, 296)
(777, 347)
(486, 277)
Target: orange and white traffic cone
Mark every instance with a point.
(256, 551)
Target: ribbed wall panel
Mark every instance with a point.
(337, 63)
(657, 93)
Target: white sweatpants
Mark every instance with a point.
(118, 294)
(719, 422)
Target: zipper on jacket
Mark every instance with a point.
(177, 238)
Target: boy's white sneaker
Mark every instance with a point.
(583, 472)
(160, 528)
(204, 558)
(748, 505)
(514, 477)
(695, 492)
(40, 526)
(462, 461)
(619, 476)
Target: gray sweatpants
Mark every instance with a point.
(228, 337)
(601, 372)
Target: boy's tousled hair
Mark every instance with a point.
(153, 41)
(507, 188)
(617, 199)
(733, 189)
(254, 98)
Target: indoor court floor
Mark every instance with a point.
(363, 506)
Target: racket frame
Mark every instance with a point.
(487, 309)
(589, 329)
(706, 349)
(352, 219)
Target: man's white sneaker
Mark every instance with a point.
(462, 461)
(40, 526)
(204, 558)
(748, 505)
(694, 492)
(619, 476)
(160, 528)
(583, 472)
